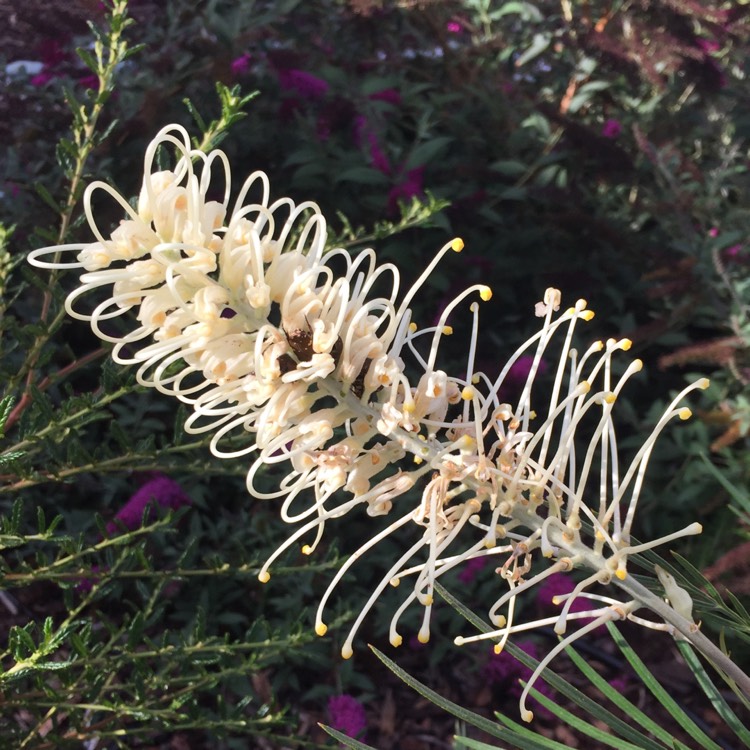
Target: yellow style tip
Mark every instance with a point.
(346, 652)
(684, 413)
(307, 549)
(264, 576)
(586, 315)
(447, 330)
(423, 636)
(621, 573)
(527, 716)
(457, 245)
(485, 293)
(412, 327)
(625, 344)
(703, 383)
(498, 649)
(396, 641)
(321, 629)
(467, 393)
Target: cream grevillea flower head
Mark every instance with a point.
(282, 348)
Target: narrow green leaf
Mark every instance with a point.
(576, 722)
(459, 711)
(658, 691)
(562, 686)
(46, 196)
(734, 492)
(426, 152)
(475, 744)
(717, 700)
(345, 739)
(630, 710)
(41, 522)
(6, 406)
(523, 731)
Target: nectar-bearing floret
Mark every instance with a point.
(282, 348)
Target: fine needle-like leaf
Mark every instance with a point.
(630, 709)
(563, 687)
(717, 699)
(576, 722)
(658, 691)
(486, 725)
(345, 740)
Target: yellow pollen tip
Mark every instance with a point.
(264, 576)
(599, 536)
(703, 383)
(457, 245)
(598, 346)
(489, 543)
(684, 413)
(447, 330)
(485, 293)
(418, 460)
(527, 716)
(585, 386)
(412, 327)
(570, 311)
(556, 600)
(498, 649)
(425, 637)
(621, 573)
(307, 549)
(394, 582)
(346, 652)
(321, 629)
(396, 641)
(610, 398)
(427, 600)
(585, 315)
(410, 407)
(625, 344)
(475, 378)
(467, 393)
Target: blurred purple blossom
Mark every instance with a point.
(307, 85)
(159, 492)
(471, 569)
(241, 64)
(410, 187)
(391, 96)
(347, 715)
(453, 27)
(611, 128)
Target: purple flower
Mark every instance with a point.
(611, 128)
(471, 568)
(160, 492)
(241, 64)
(391, 96)
(453, 27)
(520, 369)
(407, 189)
(305, 84)
(89, 82)
(347, 715)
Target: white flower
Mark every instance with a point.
(238, 311)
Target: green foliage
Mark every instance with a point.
(493, 129)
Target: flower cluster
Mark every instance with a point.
(293, 351)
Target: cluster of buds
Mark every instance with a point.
(282, 348)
